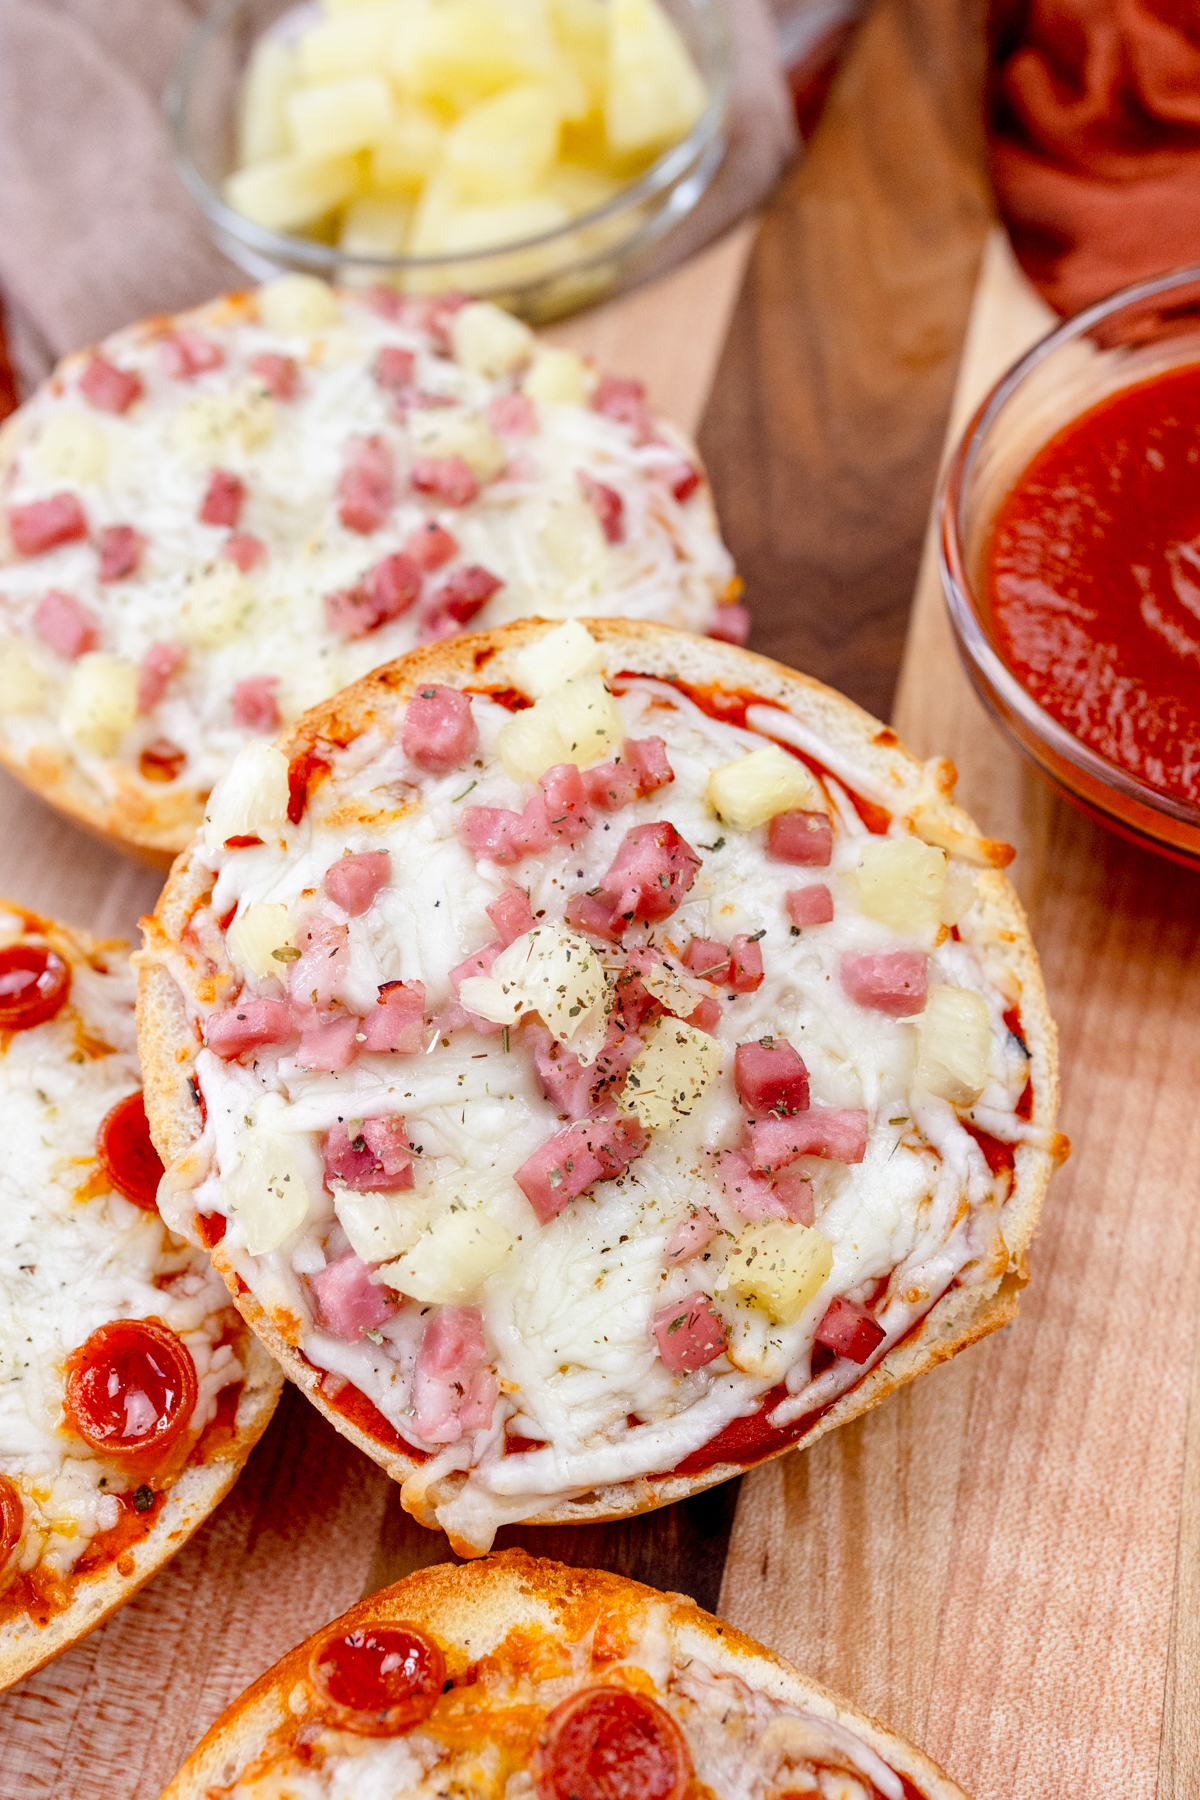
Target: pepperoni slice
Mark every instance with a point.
(130, 1390)
(34, 982)
(126, 1153)
(379, 1680)
(605, 1743)
(12, 1518)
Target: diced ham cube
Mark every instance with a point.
(682, 478)
(889, 981)
(745, 965)
(565, 1081)
(490, 831)
(223, 499)
(366, 485)
(512, 415)
(795, 1192)
(836, 1132)
(511, 914)
(392, 585)
(120, 548)
(281, 374)
(244, 551)
(624, 400)
(809, 905)
(593, 914)
(801, 837)
(566, 802)
(707, 1015)
(478, 963)
(751, 1194)
(384, 302)
(255, 707)
(375, 1158)
(108, 388)
(430, 546)
(652, 871)
(186, 354)
(353, 881)
(648, 758)
(463, 593)
(348, 1301)
(606, 503)
(447, 478)
(611, 785)
(689, 1333)
(692, 1234)
(849, 1330)
(329, 1044)
(455, 1387)
(66, 624)
(159, 663)
(396, 1023)
(573, 1160)
(770, 1078)
(43, 525)
(439, 731)
(349, 612)
(731, 625)
(393, 367)
(314, 978)
(249, 1026)
(708, 958)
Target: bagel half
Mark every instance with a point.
(519, 1635)
(262, 499)
(78, 1255)
(187, 977)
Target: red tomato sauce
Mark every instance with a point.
(1093, 580)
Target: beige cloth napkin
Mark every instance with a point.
(97, 230)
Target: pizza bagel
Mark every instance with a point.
(209, 522)
(517, 1675)
(599, 1059)
(132, 1390)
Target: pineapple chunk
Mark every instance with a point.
(572, 552)
(72, 447)
(578, 723)
(581, 27)
(753, 789)
(555, 973)
(262, 114)
(654, 93)
(557, 376)
(452, 1260)
(954, 1042)
(453, 431)
(377, 1225)
(372, 226)
(780, 1267)
(208, 425)
(217, 605)
(251, 798)
(463, 50)
(489, 341)
(581, 189)
(23, 687)
(289, 192)
(358, 43)
(444, 227)
(902, 883)
(960, 895)
(667, 1079)
(299, 304)
(336, 118)
(503, 148)
(563, 654)
(256, 934)
(265, 1189)
(406, 153)
(100, 702)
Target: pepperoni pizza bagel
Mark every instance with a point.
(132, 1392)
(210, 522)
(599, 1059)
(570, 1684)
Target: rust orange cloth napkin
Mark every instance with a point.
(1095, 134)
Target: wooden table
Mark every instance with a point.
(1004, 1560)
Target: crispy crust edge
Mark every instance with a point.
(24, 1646)
(888, 772)
(477, 1603)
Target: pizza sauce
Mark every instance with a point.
(1093, 580)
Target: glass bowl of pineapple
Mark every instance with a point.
(529, 152)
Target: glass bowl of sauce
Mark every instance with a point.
(1070, 560)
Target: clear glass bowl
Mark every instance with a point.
(1135, 334)
(538, 277)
